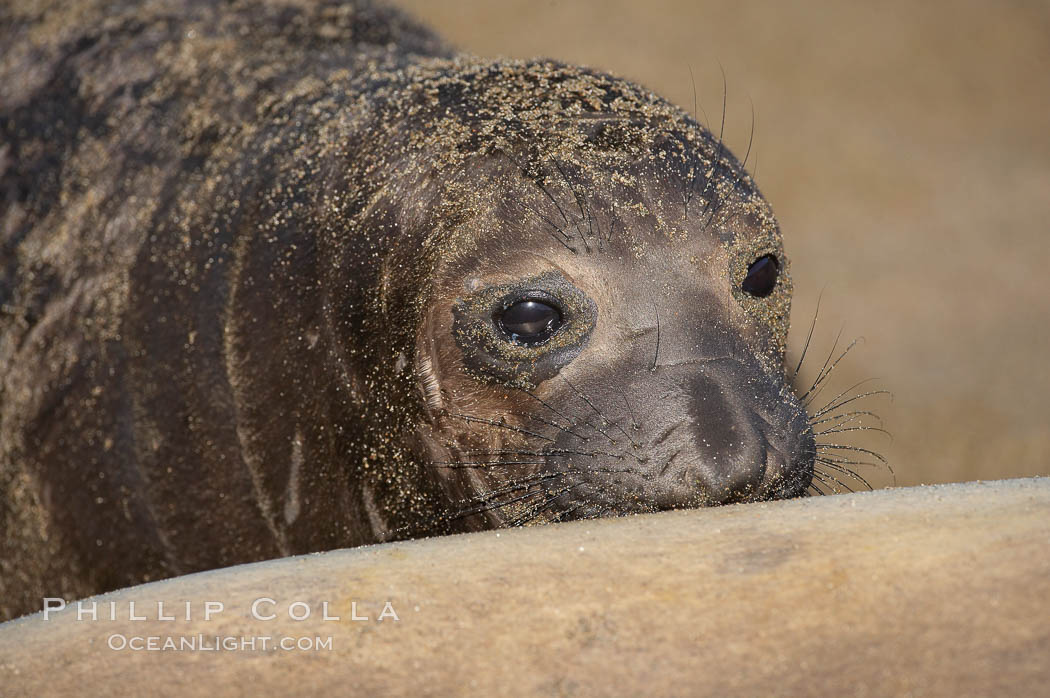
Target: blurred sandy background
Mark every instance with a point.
(906, 150)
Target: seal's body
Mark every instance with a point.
(279, 277)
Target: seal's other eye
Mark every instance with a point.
(761, 276)
(529, 322)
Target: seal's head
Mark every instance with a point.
(602, 320)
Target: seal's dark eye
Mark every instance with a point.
(761, 276)
(529, 322)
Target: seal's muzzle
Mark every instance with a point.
(699, 433)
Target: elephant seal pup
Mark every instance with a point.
(287, 276)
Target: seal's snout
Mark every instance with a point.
(747, 438)
(695, 433)
(752, 438)
(731, 449)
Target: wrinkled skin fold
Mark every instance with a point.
(254, 263)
